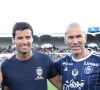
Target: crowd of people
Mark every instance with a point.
(8, 49)
(55, 54)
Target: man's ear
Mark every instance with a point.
(85, 39)
(65, 41)
(13, 41)
(32, 40)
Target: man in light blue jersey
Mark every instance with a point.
(80, 69)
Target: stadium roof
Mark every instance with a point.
(41, 34)
(38, 34)
(5, 35)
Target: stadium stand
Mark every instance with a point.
(52, 44)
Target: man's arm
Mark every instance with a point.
(6, 88)
(56, 81)
(1, 77)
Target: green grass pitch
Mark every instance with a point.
(50, 86)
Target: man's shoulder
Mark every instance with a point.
(38, 53)
(8, 60)
(66, 57)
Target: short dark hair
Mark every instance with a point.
(21, 26)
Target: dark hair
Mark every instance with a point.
(21, 26)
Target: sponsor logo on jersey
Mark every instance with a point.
(67, 63)
(75, 72)
(65, 69)
(39, 73)
(88, 69)
(73, 84)
(91, 64)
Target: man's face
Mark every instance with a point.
(75, 39)
(23, 41)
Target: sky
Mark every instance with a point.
(48, 16)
